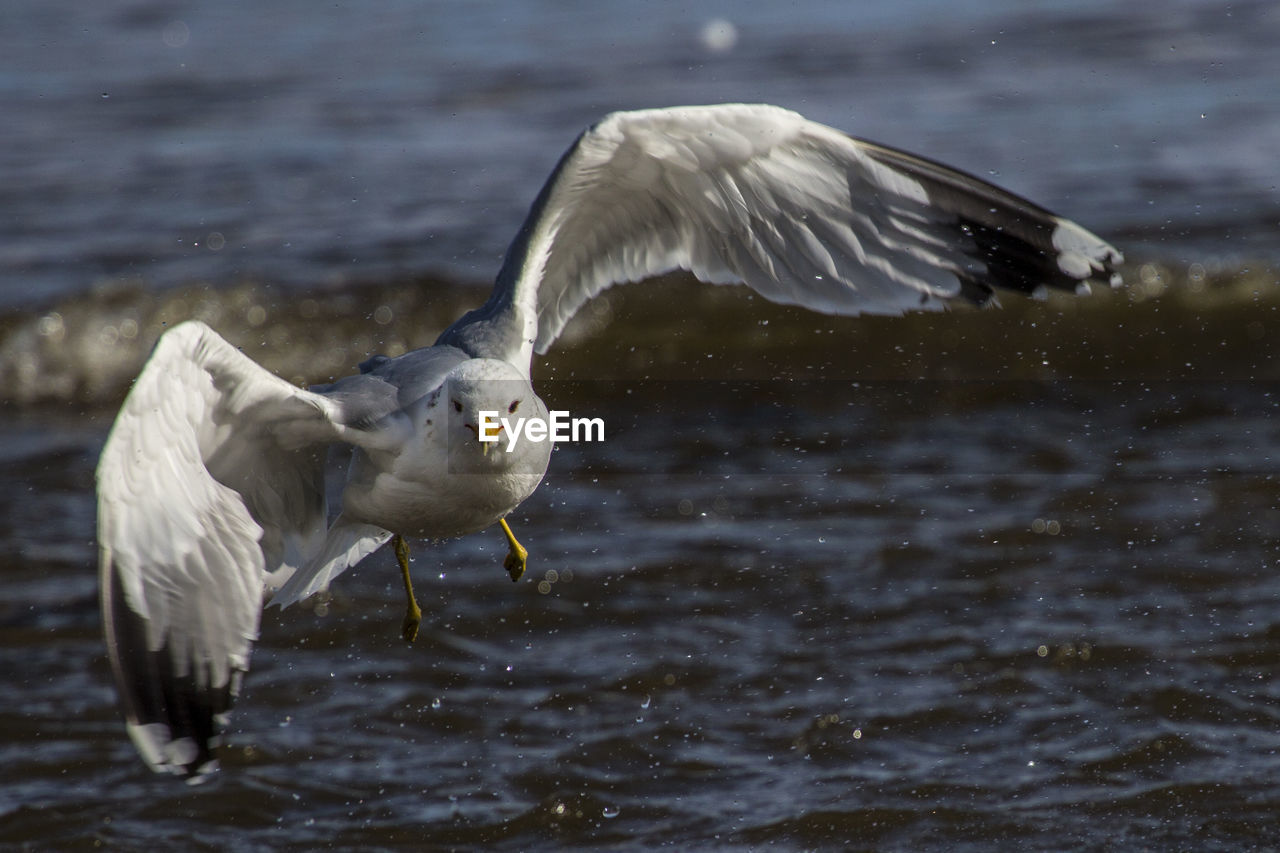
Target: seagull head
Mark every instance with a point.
(478, 396)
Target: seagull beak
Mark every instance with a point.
(487, 446)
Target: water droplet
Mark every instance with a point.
(718, 35)
(609, 813)
(51, 326)
(176, 34)
(645, 703)
(435, 703)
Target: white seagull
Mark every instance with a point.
(211, 485)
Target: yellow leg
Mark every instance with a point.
(516, 553)
(413, 613)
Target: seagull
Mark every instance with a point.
(212, 482)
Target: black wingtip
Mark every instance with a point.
(173, 719)
(1010, 243)
(1036, 254)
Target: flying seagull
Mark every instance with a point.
(211, 485)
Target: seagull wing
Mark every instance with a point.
(800, 212)
(212, 478)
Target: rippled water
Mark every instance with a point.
(986, 579)
(226, 141)
(894, 613)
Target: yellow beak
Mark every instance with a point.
(487, 446)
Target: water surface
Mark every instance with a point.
(965, 581)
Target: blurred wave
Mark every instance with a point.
(1167, 323)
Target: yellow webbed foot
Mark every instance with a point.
(517, 557)
(412, 619)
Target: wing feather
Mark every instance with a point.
(798, 211)
(208, 482)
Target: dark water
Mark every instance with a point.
(971, 581)
(176, 142)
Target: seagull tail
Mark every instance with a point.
(348, 543)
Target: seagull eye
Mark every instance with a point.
(515, 404)
(457, 407)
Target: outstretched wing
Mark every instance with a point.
(211, 479)
(800, 212)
